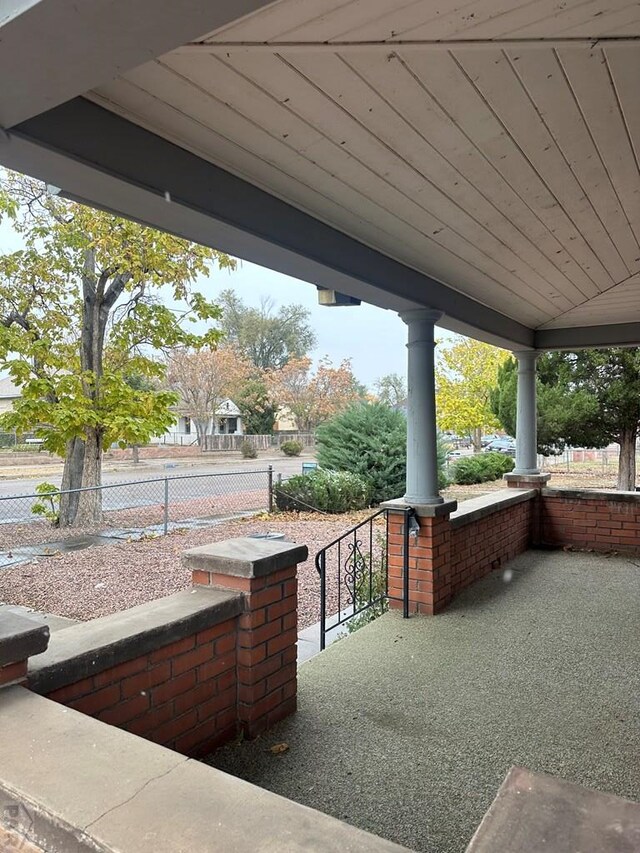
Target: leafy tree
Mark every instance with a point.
(391, 390)
(257, 408)
(267, 337)
(370, 439)
(588, 398)
(80, 312)
(313, 397)
(466, 373)
(203, 379)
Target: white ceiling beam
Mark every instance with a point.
(391, 46)
(53, 50)
(588, 337)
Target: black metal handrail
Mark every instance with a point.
(362, 576)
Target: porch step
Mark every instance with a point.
(534, 813)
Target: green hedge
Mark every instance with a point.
(327, 491)
(481, 468)
(248, 450)
(291, 448)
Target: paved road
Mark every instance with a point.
(159, 469)
(186, 481)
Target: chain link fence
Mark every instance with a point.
(20, 442)
(130, 510)
(594, 461)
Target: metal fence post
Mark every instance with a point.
(322, 568)
(166, 505)
(270, 486)
(405, 566)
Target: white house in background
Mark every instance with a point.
(9, 393)
(227, 421)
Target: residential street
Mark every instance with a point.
(133, 485)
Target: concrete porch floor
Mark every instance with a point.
(408, 727)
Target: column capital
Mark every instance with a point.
(420, 315)
(527, 355)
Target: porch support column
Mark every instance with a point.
(526, 414)
(422, 462)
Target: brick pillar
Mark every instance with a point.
(265, 572)
(429, 557)
(531, 481)
(20, 637)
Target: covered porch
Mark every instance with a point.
(469, 165)
(408, 727)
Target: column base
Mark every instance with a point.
(423, 510)
(526, 481)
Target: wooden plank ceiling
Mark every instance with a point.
(492, 144)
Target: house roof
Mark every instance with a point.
(479, 159)
(228, 409)
(8, 390)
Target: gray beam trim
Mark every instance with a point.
(585, 337)
(122, 167)
(54, 50)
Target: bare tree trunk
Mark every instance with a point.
(201, 431)
(476, 438)
(135, 450)
(71, 479)
(627, 461)
(89, 510)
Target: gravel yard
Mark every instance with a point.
(100, 580)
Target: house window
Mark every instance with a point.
(232, 425)
(187, 426)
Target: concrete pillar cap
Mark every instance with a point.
(21, 636)
(245, 557)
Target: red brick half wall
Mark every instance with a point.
(486, 536)
(166, 670)
(194, 669)
(601, 521)
(454, 548)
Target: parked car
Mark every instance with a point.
(504, 445)
(454, 454)
(487, 439)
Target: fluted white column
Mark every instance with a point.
(422, 457)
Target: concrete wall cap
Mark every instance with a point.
(245, 557)
(91, 647)
(612, 495)
(21, 636)
(487, 505)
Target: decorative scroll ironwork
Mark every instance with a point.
(353, 573)
(356, 568)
